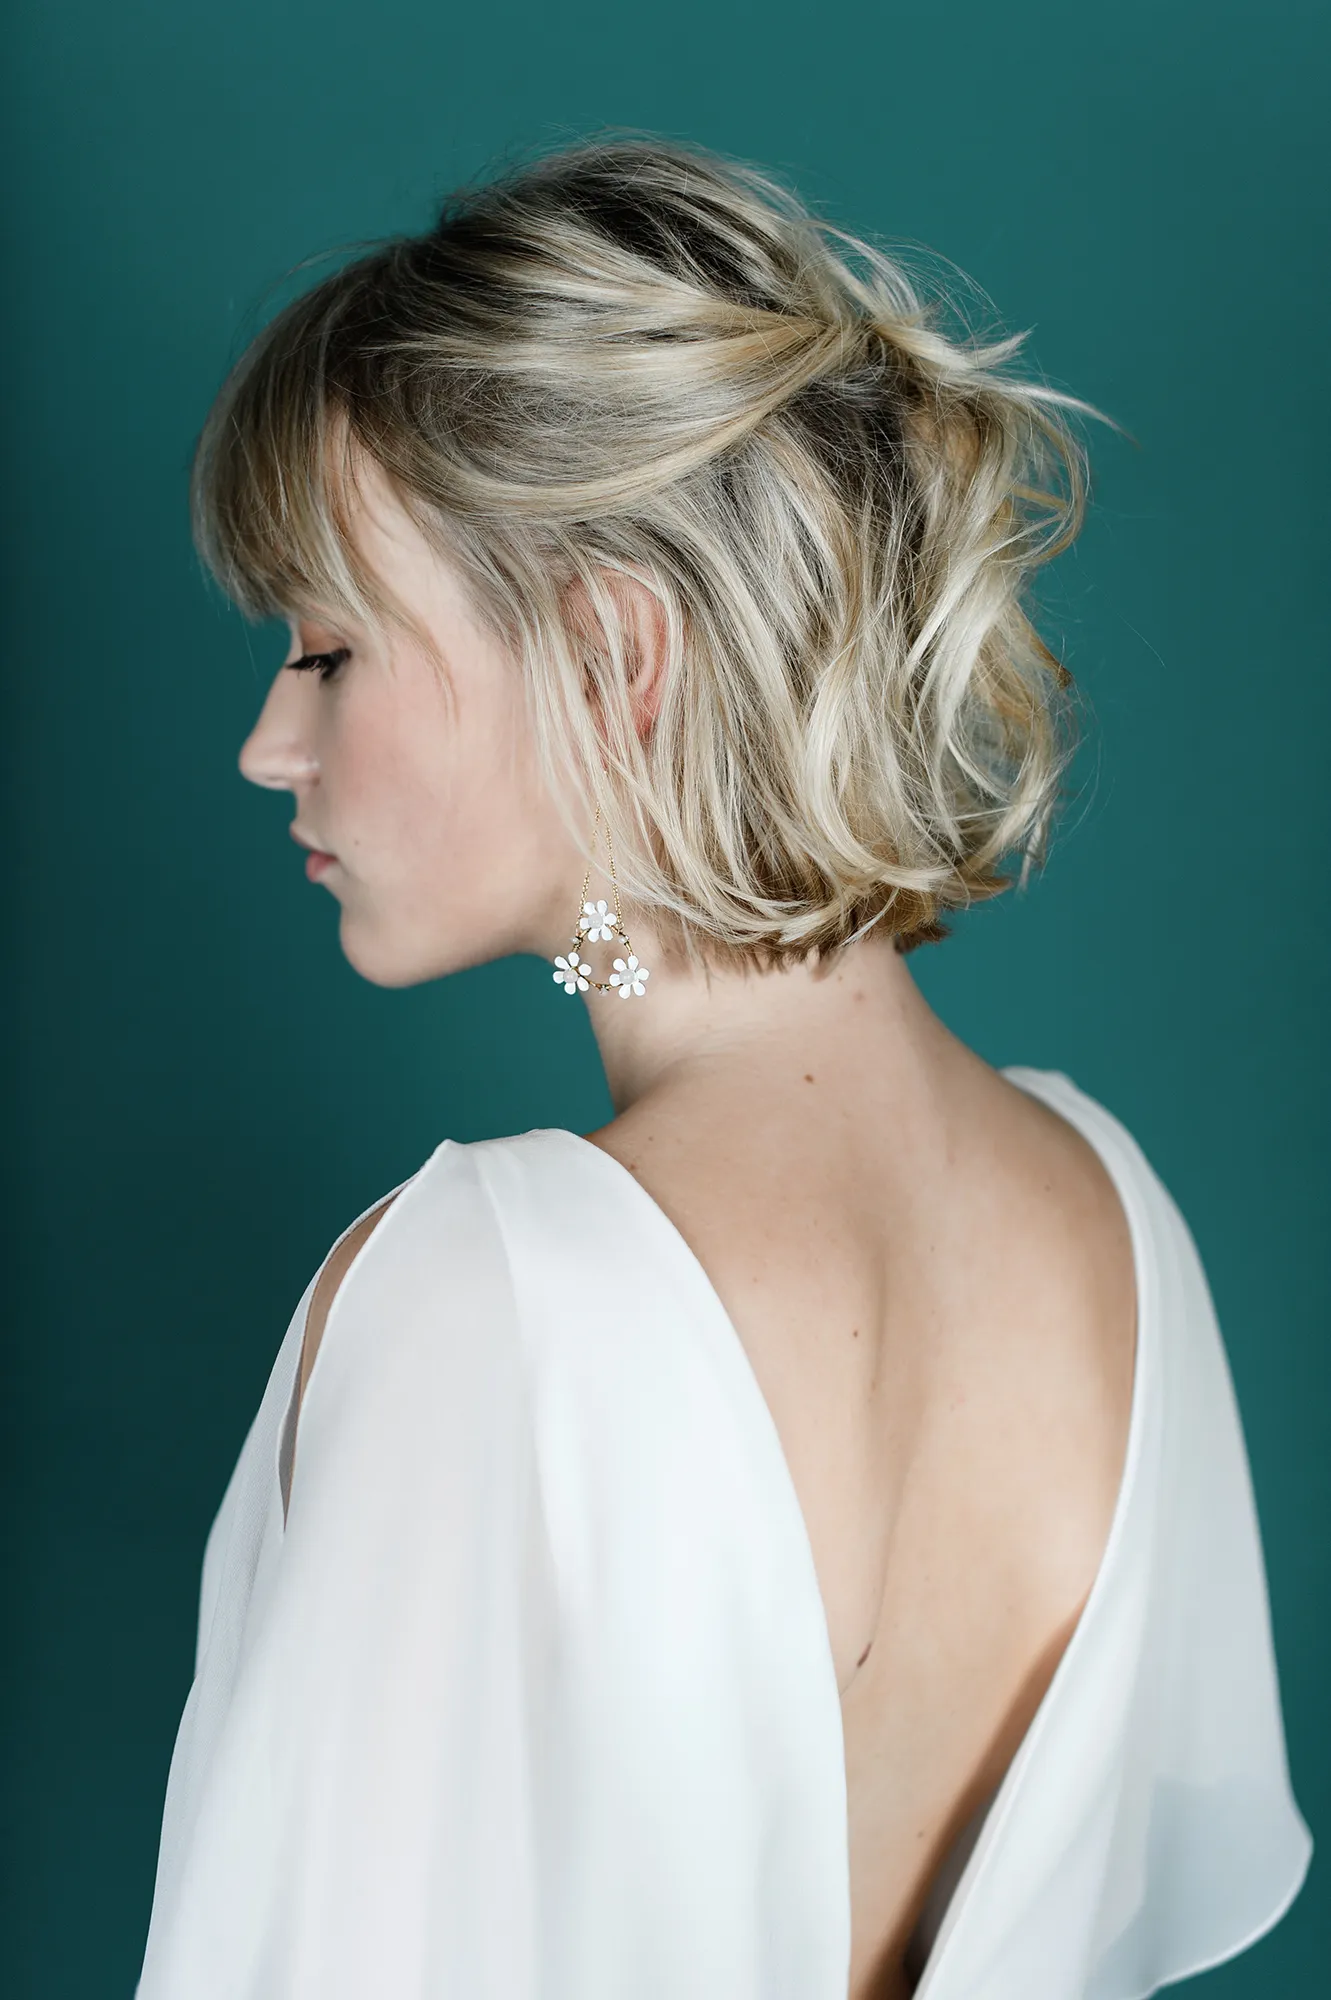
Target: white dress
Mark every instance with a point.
(531, 1696)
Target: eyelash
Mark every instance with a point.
(327, 663)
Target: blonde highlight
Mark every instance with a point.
(640, 357)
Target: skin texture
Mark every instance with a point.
(930, 1272)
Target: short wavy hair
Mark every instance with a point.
(641, 356)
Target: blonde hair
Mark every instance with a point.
(639, 356)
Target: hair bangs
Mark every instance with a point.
(274, 481)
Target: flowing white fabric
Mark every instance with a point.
(531, 1698)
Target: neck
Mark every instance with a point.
(723, 1027)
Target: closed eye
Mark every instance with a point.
(326, 663)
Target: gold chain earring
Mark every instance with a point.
(598, 920)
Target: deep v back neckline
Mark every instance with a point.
(972, 1846)
(571, 1444)
(294, 1405)
(966, 1859)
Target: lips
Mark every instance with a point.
(318, 860)
(303, 840)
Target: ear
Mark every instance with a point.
(645, 630)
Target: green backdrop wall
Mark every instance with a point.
(205, 1093)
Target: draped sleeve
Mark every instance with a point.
(530, 1694)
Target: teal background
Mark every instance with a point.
(204, 1093)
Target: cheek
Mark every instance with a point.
(387, 773)
(441, 809)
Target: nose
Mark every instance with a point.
(278, 753)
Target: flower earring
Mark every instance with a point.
(599, 920)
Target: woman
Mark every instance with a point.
(796, 1540)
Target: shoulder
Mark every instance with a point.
(525, 1335)
(389, 1312)
(532, 1262)
(1075, 1258)
(1072, 1181)
(440, 1229)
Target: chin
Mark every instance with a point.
(380, 960)
(395, 962)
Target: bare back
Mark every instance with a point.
(941, 1316)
